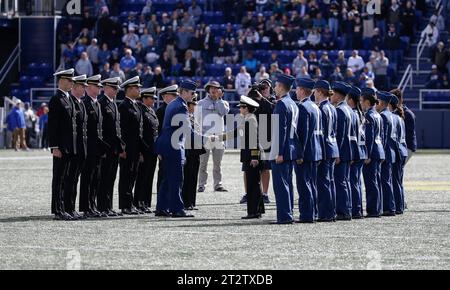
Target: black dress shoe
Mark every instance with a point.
(398, 212)
(343, 217)
(182, 214)
(357, 217)
(78, 216)
(388, 213)
(147, 210)
(189, 208)
(162, 213)
(372, 216)
(221, 189)
(129, 211)
(288, 222)
(201, 189)
(63, 217)
(251, 216)
(325, 220)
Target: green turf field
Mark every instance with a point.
(217, 238)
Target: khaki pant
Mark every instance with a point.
(217, 155)
(18, 139)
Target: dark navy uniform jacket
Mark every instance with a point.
(344, 131)
(111, 125)
(330, 148)
(96, 146)
(81, 118)
(389, 135)
(410, 126)
(62, 127)
(151, 124)
(374, 133)
(131, 125)
(360, 150)
(286, 133)
(309, 131)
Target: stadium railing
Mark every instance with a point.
(434, 99)
(5, 136)
(407, 78)
(9, 64)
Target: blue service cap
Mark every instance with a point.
(385, 96)
(304, 82)
(285, 79)
(322, 84)
(341, 87)
(188, 85)
(368, 92)
(354, 92)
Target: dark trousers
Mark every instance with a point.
(372, 182)
(326, 192)
(89, 183)
(306, 190)
(127, 179)
(71, 182)
(387, 189)
(144, 181)
(283, 189)
(343, 191)
(108, 173)
(255, 203)
(356, 187)
(60, 167)
(189, 191)
(397, 184)
(160, 174)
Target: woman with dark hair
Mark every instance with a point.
(402, 154)
(359, 151)
(375, 153)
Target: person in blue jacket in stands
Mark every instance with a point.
(360, 152)
(375, 154)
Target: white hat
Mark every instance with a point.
(65, 74)
(246, 101)
(133, 82)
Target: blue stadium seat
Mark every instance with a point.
(25, 82)
(37, 82)
(16, 93)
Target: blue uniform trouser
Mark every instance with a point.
(397, 184)
(169, 193)
(356, 187)
(283, 189)
(343, 193)
(326, 192)
(387, 189)
(372, 182)
(315, 164)
(162, 198)
(305, 188)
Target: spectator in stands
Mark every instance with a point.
(117, 72)
(146, 76)
(147, 8)
(355, 62)
(393, 16)
(326, 65)
(313, 62)
(351, 78)
(243, 81)
(84, 66)
(158, 78)
(136, 71)
(408, 19)
(434, 79)
(92, 51)
(208, 45)
(368, 72)
(196, 44)
(248, 20)
(128, 62)
(319, 22)
(228, 80)
(166, 63)
(187, 21)
(392, 43)
(313, 39)
(299, 62)
(337, 75)
(279, 8)
(290, 38)
(271, 23)
(106, 71)
(445, 84)
(327, 39)
(189, 64)
(304, 72)
(182, 41)
(380, 69)
(195, 11)
(43, 128)
(151, 52)
(341, 61)
(430, 34)
(440, 56)
(104, 55)
(130, 39)
(274, 72)
(276, 39)
(261, 5)
(250, 63)
(377, 40)
(223, 52)
(261, 74)
(318, 75)
(370, 84)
